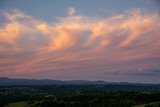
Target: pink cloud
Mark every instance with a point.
(78, 44)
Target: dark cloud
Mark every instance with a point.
(145, 72)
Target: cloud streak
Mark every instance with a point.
(78, 45)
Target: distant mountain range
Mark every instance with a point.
(5, 81)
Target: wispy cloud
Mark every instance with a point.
(78, 44)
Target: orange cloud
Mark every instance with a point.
(64, 39)
(66, 32)
(137, 25)
(79, 43)
(10, 32)
(43, 28)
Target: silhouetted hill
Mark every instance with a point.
(4, 81)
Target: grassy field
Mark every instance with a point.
(18, 104)
(77, 96)
(23, 104)
(155, 104)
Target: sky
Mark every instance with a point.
(109, 40)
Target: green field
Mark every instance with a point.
(79, 96)
(18, 104)
(154, 104)
(24, 104)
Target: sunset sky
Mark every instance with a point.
(110, 40)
